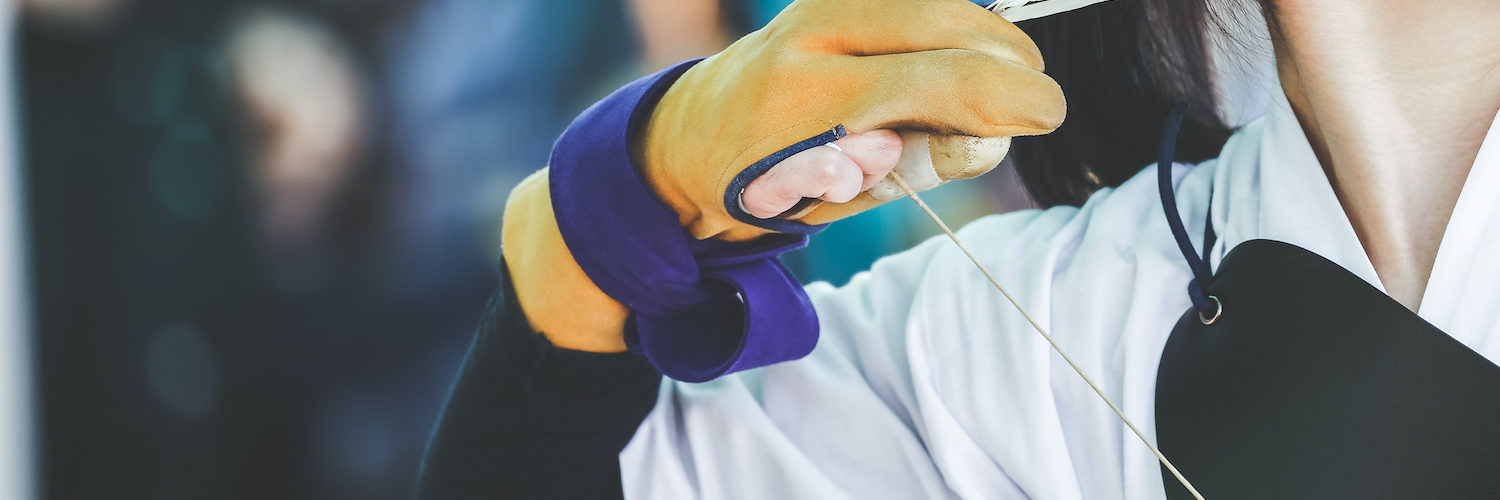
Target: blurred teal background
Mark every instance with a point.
(262, 231)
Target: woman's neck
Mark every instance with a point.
(1395, 97)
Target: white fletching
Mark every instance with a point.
(1021, 10)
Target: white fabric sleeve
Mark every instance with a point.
(844, 422)
(926, 383)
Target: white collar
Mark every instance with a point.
(1463, 294)
(1268, 184)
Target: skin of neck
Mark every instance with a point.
(1395, 98)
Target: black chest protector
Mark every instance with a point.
(1314, 384)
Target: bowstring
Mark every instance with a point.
(1056, 348)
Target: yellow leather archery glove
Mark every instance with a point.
(944, 67)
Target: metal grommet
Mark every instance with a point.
(1218, 311)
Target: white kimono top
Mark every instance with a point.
(926, 383)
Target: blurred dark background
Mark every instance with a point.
(261, 232)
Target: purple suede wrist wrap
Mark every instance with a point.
(700, 308)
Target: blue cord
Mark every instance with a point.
(1202, 276)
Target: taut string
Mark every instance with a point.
(941, 225)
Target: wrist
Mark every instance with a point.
(697, 309)
(558, 298)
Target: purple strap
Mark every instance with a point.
(700, 308)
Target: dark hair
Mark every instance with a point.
(1122, 65)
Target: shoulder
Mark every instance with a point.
(1118, 240)
(1116, 225)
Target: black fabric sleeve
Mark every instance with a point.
(527, 419)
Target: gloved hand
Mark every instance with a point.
(823, 67)
(947, 67)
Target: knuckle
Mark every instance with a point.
(1026, 53)
(830, 172)
(825, 175)
(823, 168)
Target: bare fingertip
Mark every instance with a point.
(886, 137)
